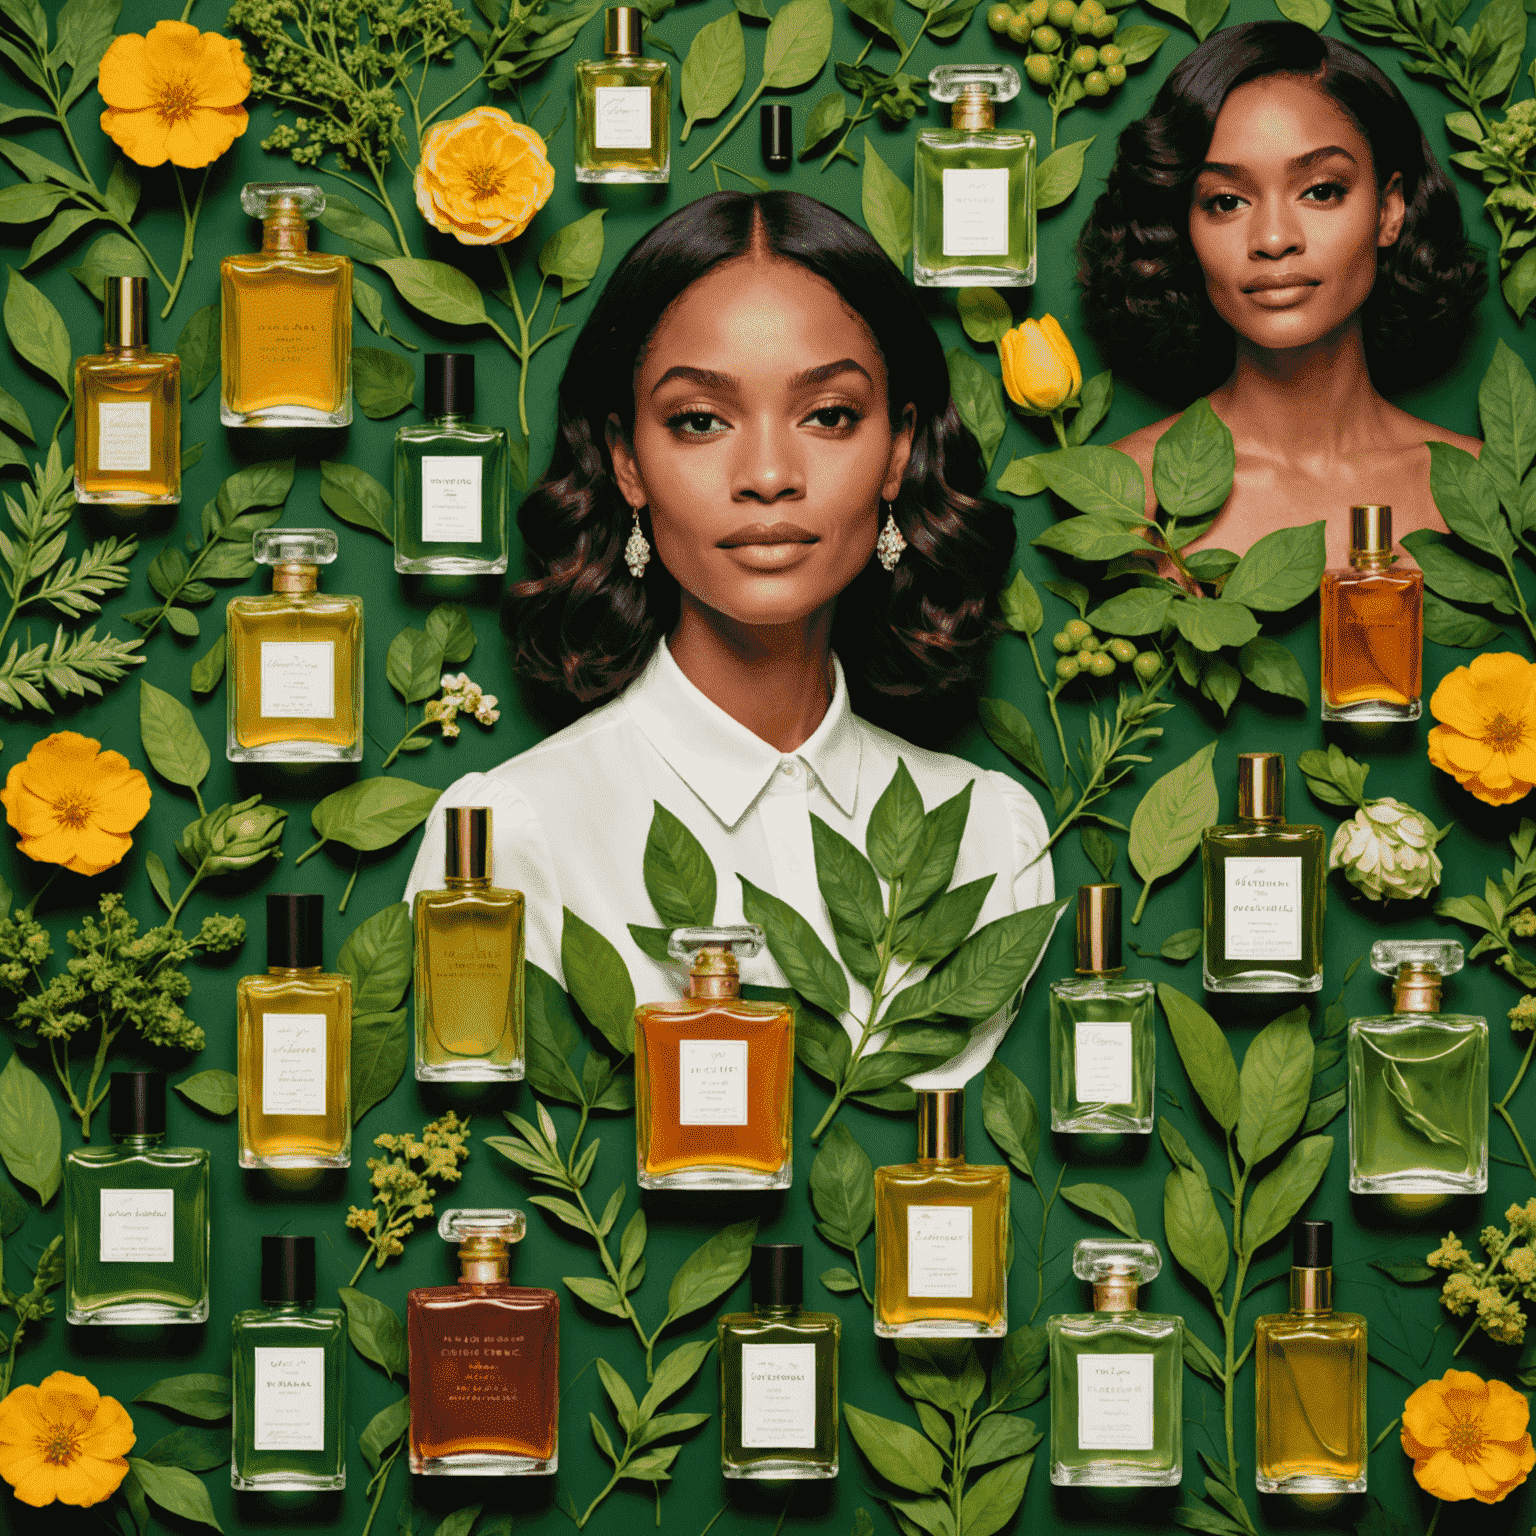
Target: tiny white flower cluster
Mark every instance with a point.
(1387, 850)
(460, 696)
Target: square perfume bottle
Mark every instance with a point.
(623, 107)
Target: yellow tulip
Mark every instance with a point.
(1040, 370)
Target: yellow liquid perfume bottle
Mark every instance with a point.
(287, 319)
(295, 659)
(941, 1232)
(127, 408)
(623, 107)
(295, 1033)
(469, 964)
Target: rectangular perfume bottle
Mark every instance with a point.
(941, 1234)
(1265, 890)
(623, 107)
(136, 1234)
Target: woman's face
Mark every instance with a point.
(1286, 218)
(762, 442)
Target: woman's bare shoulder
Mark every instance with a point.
(1140, 445)
(1416, 429)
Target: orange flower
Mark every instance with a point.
(174, 95)
(63, 1440)
(1468, 1437)
(483, 177)
(74, 804)
(1486, 739)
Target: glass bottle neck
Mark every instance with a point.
(467, 882)
(1370, 559)
(957, 1161)
(293, 970)
(1115, 1293)
(139, 1142)
(483, 1271)
(121, 349)
(1262, 823)
(295, 578)
(450, 419)
(1311, 1290)
(763, 1309)
(289, 1308)
(287, 235)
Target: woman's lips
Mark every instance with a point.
(1279, 290)
(761, 534)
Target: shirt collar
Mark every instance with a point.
(719, 759)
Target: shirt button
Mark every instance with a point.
(790, 770)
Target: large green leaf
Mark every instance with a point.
(679, 877)
(1168, 822)
(373, 813)
(1280, 570)
(1207, 1057)
(843, 1189)
(31, 1141)
(806, 961)
(1195, 1233)
(1275, 1084)
(599, 981)
(1193, 463)
(714, 70)
(1278, 1196)
(896, 1451)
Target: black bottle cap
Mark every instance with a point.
(450, 389)
(137, 1104)
(287, 1271)
(1314, 1244)
(778, 130)
(295, 931)
(778, 1271)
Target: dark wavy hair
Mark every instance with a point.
(1144, 295)
(582, 626)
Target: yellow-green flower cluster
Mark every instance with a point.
(1523, 1015)
(1494, 1289)
(405, 1184)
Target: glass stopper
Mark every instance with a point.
(293, 546)
(745, 939)
(1097, 1259)
(261, 199)
(465, 1224)
(948, 82)
(1443, 956)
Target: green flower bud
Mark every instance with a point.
(1077, 630)
(1147, 665)
(1064, 642)
(1122, 649)
(1115, 74)
(1041, 68)
(1102, 665)
(234, 837)
(1067, 668)
(999, 15)
(1046, 39)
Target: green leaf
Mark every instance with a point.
(1412, 1116)
(1193, 464)
(215, 1090)
(1184, 945)
(209, 668)
(373, 813)
(896, 1451)
(679, 877)
(826, 117)
(347, 221)
(1092, 538)
(1404, 1274)
(1269, 665)
(1310, 13)
(1000, 1437)
(376, 1332)
(1168, 821)
(1058, 175)
(377, 959)
(1021, 606)
(1280, 570)
(839, 1280)
(1139, 611)
(885, 198)
(175, 1490)
(674, 1373)
(843, 1189)
(449, 627)
(1097, 395)
(984, 314)
(797, 947)
(1207, 1057)
(712, 1269)
(1468, 498)
(1445, 625)
(1454, 576)
(414, 665)
(1195, 1234)
(1022, 477)
(191, 1447)
(1012, 1120)
(199, 1396)
(1212, 623)
(1205, 15)
(198, 348)
(1101, 1200)
(1097, 480)
(37, 331)
(436, 289)
(1140, 43)
(597, 979)
(798, 42)
(990, 1502)
(28, 201)
(1099, 848)
(383, 382)
(714, 70)
(30, 1139)
(946, 923)
(64, 227)
(574, 253)
(1519, 284)
(172, 741)
(357, 498)
(1275, 1083)
(1281, 1194)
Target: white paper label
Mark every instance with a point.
(939, 1250)
(450, 498)
(1102, 1063)
(622, 117)
(122, 435)
(298, 679)
(713, 1079)
(290, 1400)
(778, 1396)
(293, 1063)
(1114, 1402)
(1263, 909)
(138, 1226)
(976, 213)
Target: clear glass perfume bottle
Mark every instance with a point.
(127, 408)
(1418, 1082)
(1117, 1376)
(778, 1376)
(469, 963)
(1103, 1047)
(1310, 1363)
(485, 1360)
(295, 1034)
(287, 319)
(973, 186)
(623, 107)
(941, 1233)
(714, 1074)
(290, 1379)
(295, 659)
(450, 480)
(136, 1217)
(1265, 890)
(1372, 628)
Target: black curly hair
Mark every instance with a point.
(1143, 292)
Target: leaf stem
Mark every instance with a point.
(1502, 1107)
(1045, 1216)
(725, 133)
(859, 114)
(189, 223)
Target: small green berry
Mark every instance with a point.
(1105, 26)
(1084, 659)
(1093, 644)
(1061, 13)
(1122, 649)
(1045, 39)
(1084, 61)
(999, 15)
(1115, 74)
(1082, 23)
(1111, 53)
(1077, 630)
(1147, 665)
(1038, 11)
(1102, 665)
(1067, 668)
(1041, 68)
(1096, 83)
(1064, 642)
(1018, 28)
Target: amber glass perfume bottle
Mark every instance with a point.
(1311, 1381)
(1265, 890)
(941, 1233)
(1372, 628)
(485, 1360)
(469, 963)
(714, 1074)
(287, 330)
(295, 659)
(623, 107)
(127, 408)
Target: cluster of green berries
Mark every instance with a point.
(1083, 652)
(1063, 35)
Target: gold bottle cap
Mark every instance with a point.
(1418, 968)
(621, 31)
(973, 108)
(125, 311)
(941, 1124)
(1416, 988)
(711, 956)
(1260, 786)
(468, 854)
(1098, 930)
(1370, 530)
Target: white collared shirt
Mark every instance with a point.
(570, 818)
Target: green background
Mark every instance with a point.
(1409, 1343)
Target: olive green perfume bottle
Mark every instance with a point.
(623, 107)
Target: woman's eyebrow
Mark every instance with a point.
(1295, 163)
(709, 378)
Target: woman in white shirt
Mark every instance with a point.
(757, 466)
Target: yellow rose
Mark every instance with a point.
(483, 177)
(1040, 370)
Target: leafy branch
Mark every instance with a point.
(32, 1305)
(414, 667)
(843, 1197)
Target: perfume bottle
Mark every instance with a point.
(451, 480)
(295, 1032)
(1372, 628)
(623, 107)
(941, 1233)
(1117, 1376)
(778, 1376)
(973, 186)
(1311, 1381)
(287, 328)
(1103, 1048)
(127, 408)
(469, 964)
(1418, 1082)
(1265, 890)
(485, 1360)
(295, 659)
(290, 1379)
(714, 1074)
(136, 1217)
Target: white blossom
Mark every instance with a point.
(1387, 850)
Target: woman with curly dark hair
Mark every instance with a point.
(1276, 231)
(760, 492)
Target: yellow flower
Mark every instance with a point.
(483, 177)
(174, 95)
(1468, 1438)
(74, 804)
(1486, 739)
(63, 1440)
(1040, 370)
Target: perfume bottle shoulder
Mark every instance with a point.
(340, 606)
(696, 1011)
(1389, 1025)
(976, 138)
(1083, 989)
(1146, 1327)
(317, 1323)
(1279, 1327)
(747, 1327)
(1258, 839)
(637, 69)
(309, 264)
(917, 1178)
(450, 437)
(441, 900)
(110, 365)
(311, 984)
